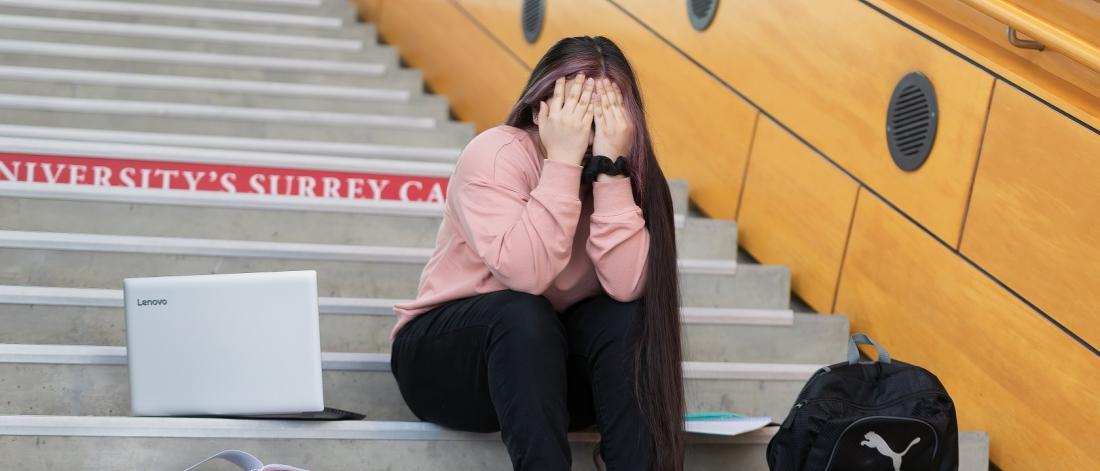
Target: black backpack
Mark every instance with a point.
(882, 415)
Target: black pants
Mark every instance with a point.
(507, 361)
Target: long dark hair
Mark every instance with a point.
(658, 369)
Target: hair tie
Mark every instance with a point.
(602, 164)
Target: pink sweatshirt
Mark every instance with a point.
(514, 220)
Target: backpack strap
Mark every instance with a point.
(863, 339)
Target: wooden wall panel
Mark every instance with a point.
(458, 59)
(1010, 371)
(827, 73)
(1034, 219)
(795, 211)
(701, 130)
(1056, 78)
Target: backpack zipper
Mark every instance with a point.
(799, 402)
(789, 421)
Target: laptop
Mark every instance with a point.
(226, 345)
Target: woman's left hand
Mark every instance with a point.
(614, 131)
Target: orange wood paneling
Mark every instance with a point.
(457, 58)
(1010, 371)
(1069, 27)
(795, 211)
(701, 130)
(1034, 219)
(827, 73)
(1054, 77)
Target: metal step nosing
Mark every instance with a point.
(265, 249)
(176, 11)
(442, 154)
(211, 247)
(189, 111)
(89, 51)
(207, 155)
(176, 32)
(301, 3)
(185, 427)
(216, 199)
(383, 307)
(191, 83)
(100, 355)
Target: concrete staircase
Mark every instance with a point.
(299, 85)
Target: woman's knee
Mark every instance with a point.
(527, 319)
(602, 320)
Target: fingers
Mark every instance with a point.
(572, 93)
(544, 111)
(599, 104)
(559, 94)
(586, 94)
(618, 109)
(587, 118)
(601, 109)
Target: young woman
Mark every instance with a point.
(552, 304)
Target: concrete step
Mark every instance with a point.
(118, 34)
(55, 443)
(377, 65)
(82, 316)
(203, 19)
(102, 261)
(95, 137)
(220, 92)
(93, 380)
(343, 39)
(127, 211)
(340, 8)
(136, 116)
(227, 13)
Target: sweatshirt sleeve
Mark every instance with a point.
(618, 241)
(524, 238)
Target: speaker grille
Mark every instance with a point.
(701, 12)
(531, 18)
(911, 121)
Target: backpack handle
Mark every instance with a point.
(863, 339)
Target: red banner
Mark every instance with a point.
(95, 171)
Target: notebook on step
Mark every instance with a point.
(226, 345)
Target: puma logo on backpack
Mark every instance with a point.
(873, 440)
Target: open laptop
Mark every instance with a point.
(226, 345)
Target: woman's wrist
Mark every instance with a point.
(603, 177)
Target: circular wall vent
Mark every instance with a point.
(911, 121)
(531, 19)
(701, 12)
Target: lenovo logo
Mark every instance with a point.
(152, 302)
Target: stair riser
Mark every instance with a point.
(812, 339)
(764, 287)
(182, 45)
(699, 238)
(51, 389)
(287, 72)
(141, 454)
(420, 106)
(444, 134)
(360, 31)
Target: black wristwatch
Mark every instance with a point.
(598, 164)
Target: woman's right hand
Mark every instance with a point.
(565, 123)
